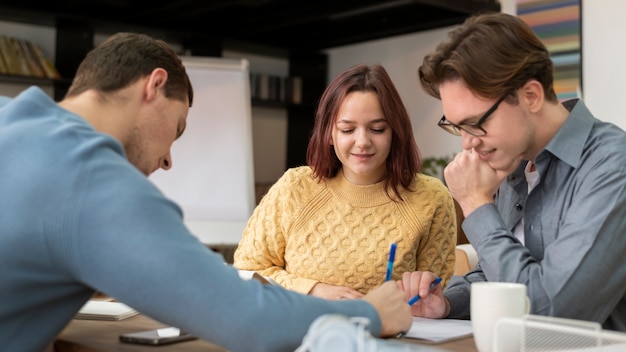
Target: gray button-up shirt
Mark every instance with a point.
(574, 257)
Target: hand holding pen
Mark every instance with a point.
(392, 256)
(419, 310)
(432, 286)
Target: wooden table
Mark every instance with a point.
(99, 335)
(103, 336)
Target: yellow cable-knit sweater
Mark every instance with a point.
(304, 232)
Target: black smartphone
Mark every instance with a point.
(157, 337)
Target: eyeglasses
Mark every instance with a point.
(474, 128)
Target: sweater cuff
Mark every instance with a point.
(302, 285)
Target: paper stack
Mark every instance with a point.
(439, 330)
(104, 310)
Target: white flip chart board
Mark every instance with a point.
(212, 177)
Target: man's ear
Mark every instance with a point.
(155, 82)
(532, 95)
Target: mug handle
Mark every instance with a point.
(527, 308)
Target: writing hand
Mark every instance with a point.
(431, 303)
(390, 303)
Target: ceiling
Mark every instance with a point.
(280, 24)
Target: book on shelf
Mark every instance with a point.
(295, 90)
(23, 58)
(32, 62)
(3, 67)
(9, 56)
(46, 64)
(276, 88)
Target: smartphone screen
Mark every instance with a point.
(157, 336)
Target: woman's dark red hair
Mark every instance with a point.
(403, 162)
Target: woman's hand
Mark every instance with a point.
(334, 292)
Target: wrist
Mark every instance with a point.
(446, 310)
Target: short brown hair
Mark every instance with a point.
(124, 58)
(494, 54)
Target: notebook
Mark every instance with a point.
(104, 310)
(439, 330)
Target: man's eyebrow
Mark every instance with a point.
(472, 117)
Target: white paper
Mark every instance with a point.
(439, 330)
(104, 310)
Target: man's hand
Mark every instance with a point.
(472, 181)
(431, 304)
(391, 305)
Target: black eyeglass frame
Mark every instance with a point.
(456, 129)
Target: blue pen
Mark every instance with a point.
(392, 255)
(432, 285)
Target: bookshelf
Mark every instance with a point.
(275, 91)
(23, 62)
(74, 37)
(72, 40)
(21, 57)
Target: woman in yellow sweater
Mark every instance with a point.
(325, 229)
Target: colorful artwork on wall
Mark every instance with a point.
(557, 23)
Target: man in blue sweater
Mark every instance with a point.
(78, 215)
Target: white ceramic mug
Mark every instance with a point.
(490, 301)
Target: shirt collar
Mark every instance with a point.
(569, 141)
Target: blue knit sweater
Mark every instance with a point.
(76, 216)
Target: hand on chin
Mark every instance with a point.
(504, 170)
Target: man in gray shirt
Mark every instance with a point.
(542, 184)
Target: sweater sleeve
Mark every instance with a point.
(436, 251)
(172, 277)
(262, 247)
